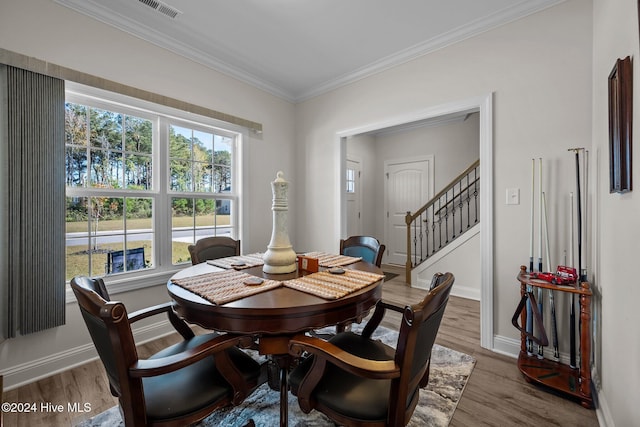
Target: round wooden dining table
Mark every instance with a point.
(275, 315)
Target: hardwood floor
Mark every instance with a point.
(496, 394)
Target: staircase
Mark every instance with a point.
(443, 219)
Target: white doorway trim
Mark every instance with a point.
(483, 105)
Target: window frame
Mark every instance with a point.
(161, 117)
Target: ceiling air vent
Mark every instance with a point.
(163, 8)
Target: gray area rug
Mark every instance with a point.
(450, 371)
(388, 275)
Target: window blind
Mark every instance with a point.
(33, 192)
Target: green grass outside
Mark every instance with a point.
(77, 261)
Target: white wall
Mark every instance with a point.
(617, 231)
(49, 32)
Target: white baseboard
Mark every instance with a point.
(605, 419)
(38, 369)
(506, 346)
(465, 292)
(511, 347)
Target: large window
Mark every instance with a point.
(142, 185)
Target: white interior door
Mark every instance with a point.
(409, 184)
(354, 198)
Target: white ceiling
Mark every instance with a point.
(297, 49)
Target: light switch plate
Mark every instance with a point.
(513, 196)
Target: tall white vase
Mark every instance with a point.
(280, 257)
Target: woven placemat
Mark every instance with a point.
(333, 286)
(332, 260)
(222, 287)
(239, 262)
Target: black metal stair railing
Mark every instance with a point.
(444, 218)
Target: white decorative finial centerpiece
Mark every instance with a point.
(280, 257)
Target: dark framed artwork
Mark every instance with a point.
(620, 125)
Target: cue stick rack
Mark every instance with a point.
(574, 383)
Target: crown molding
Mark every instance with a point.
(459, 34)
(123, 23)
(103, 14)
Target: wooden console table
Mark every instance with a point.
(572, 382)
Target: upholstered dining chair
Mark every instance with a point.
(177, 386)
(213, 248)
(368, 248)
(357, 381)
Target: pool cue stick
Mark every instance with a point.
(583, 254)
(572, 264)
(540, 218)
(529, 326)
(531, 239)
(585, 158)
(579, 214)
(572, 331)
(571, 237)
(552, 304)
(540, 291)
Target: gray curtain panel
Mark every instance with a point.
(32, 193)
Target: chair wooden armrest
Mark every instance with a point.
(149, 311)
(167, 307)
(393, 307)
(164, 365)
(378, 315)
(374, 369)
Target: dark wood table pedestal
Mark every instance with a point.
(284, 362)
(280, 362)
